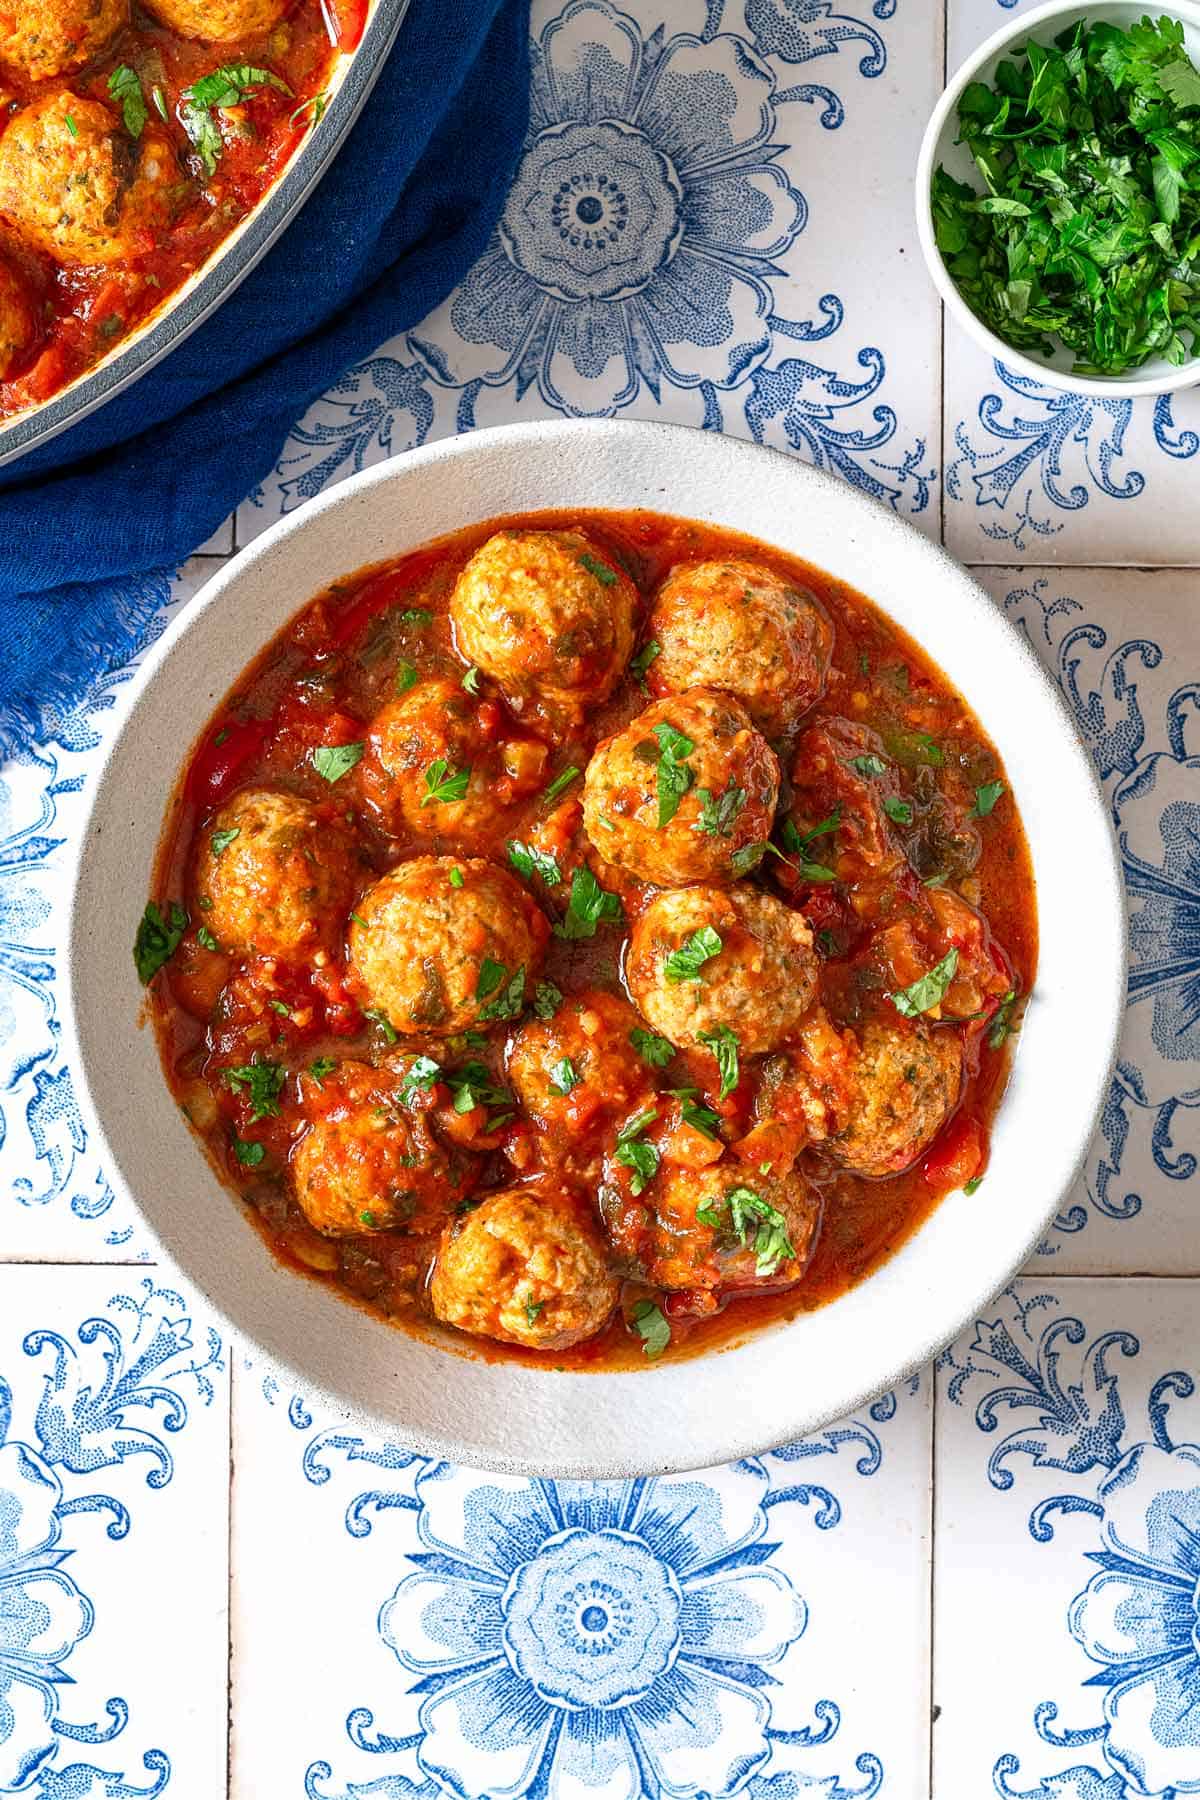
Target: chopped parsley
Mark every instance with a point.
(564, 1077)
(722, 1040)
(718, 814)
(442, 783)
(380, 1018)
(532, 1310)
(796, 841)
(407, 676)
(231, 84)
(248, 1153)
(604, 575)
(160, 107)
(158, 938)
(204, 133)
(771, 1242)
(651, 1327)
(72, 127)
(323, 1066)
(899, 811)
(928, 991)
(417, 616)
(674, 776)
(420, 1075)
(546, 999)
(261, 1083)
(642, 661)
(472, 1086)
(971, 1186)
(1002, 1023)
(456, 878)
(529, 861)
(470, 680)
(870, 766)
(360, 921)
(509, 994)
(309, 113)
(367, 1219)
(126, 89)
(221, 840)
(986, 798)
(748, 857)
(561, 782)
(332, 761)
(634, 1153)
(281, 1007)
(654, 1050)
(701, 1118)
(207, 941)
(686, 963)
(589, 905)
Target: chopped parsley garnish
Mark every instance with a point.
(421, 1074)
(701, 1118)
(261, 1083)
(899, 811)
(472, 1086)
(871, 766)
(72, 127)
(1085, 234)
(125, 88)
(158, 938)
(231, 84)
(641, 662)
(380, 1018)
(470, 680)
(986, 798)
(417, 616)
(971, 1186)
(718, 814)
(442, 783)
(248, 1153)
(564, 1077)
(771, 1242)
(651, 1327)
(221, 840)
(407, 677)
(532, 1310)
(323, 1066)
(722, 1040)
(367, 1219)
(207, 941)
(686, 963)
(634, 1153)
(310, 112)
(160, 107)
(1002, 1023)
(456, 878)
(205, 135)
(654, 1050)
(796, 841)
(589, 905)
(529, 861)
(561, 782)
(604, 575)
(928, 991)
(360, 921)
(281, 1007)
(332, 761)
(674, 776)
(546, 999)
(748, 857)
(510, 994)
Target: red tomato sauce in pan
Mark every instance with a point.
(63, 308)
(460, 1056)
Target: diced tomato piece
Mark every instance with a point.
(47, 374)
(957, 1156)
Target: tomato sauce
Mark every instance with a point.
(316, 687)
(84, 312)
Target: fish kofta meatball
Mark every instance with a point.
(441, 944)
(76, 185)
(43, 38)
(686, 792)
(548, 617)
(18, 327)
(704, 957)
(906, 1082)
(738, 626)
(368, 1162)
(841, 776)
(437, 738)
(274, 877)
(219, 21)
(724, 1228)
(529, 1266)
(576, 1074)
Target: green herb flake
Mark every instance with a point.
(561, 783)
(771, 1244)
(360, 921)
(444, 784)
(509, 994)
(973, 1185)
(126, 89)
(470, 680)
(869, 766)
(719, 813)
(309, 113)
(686, 963)
(722, 1040)
(533, 1308)
(529, 861)
(380, 1018)
(546, 1000)
(928, 991)
(323, 1066)
(248, 1153)
(221, 840)
(419, 617)
(407, 677)
(160, 102)
(635, 1154)
(231, 84)
(655, 1051)
(207, 941)
(472, 1086)
(899, 811)
(456, 878)
(421, 1075)
(604, 575)
(282, 1008)
(651, 1326)
(701, 1118)
(158, 938)
(986, 798)
(590, 905)
(674, 777)
(332, 761)
(640, 665)
(748, 857)
(261, 1083)
(1001, 1025)
(563, 1077)
(367, 1219)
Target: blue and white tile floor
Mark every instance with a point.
(986, 1583)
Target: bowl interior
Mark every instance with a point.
(940, 149)
(786, 1380)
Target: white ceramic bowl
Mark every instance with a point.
(786, 1380)
(938, 147)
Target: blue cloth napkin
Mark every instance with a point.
(92, 522)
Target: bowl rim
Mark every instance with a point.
(1174, 380)
(734, 1439)
(206, 289)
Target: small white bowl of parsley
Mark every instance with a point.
(1058, 197)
